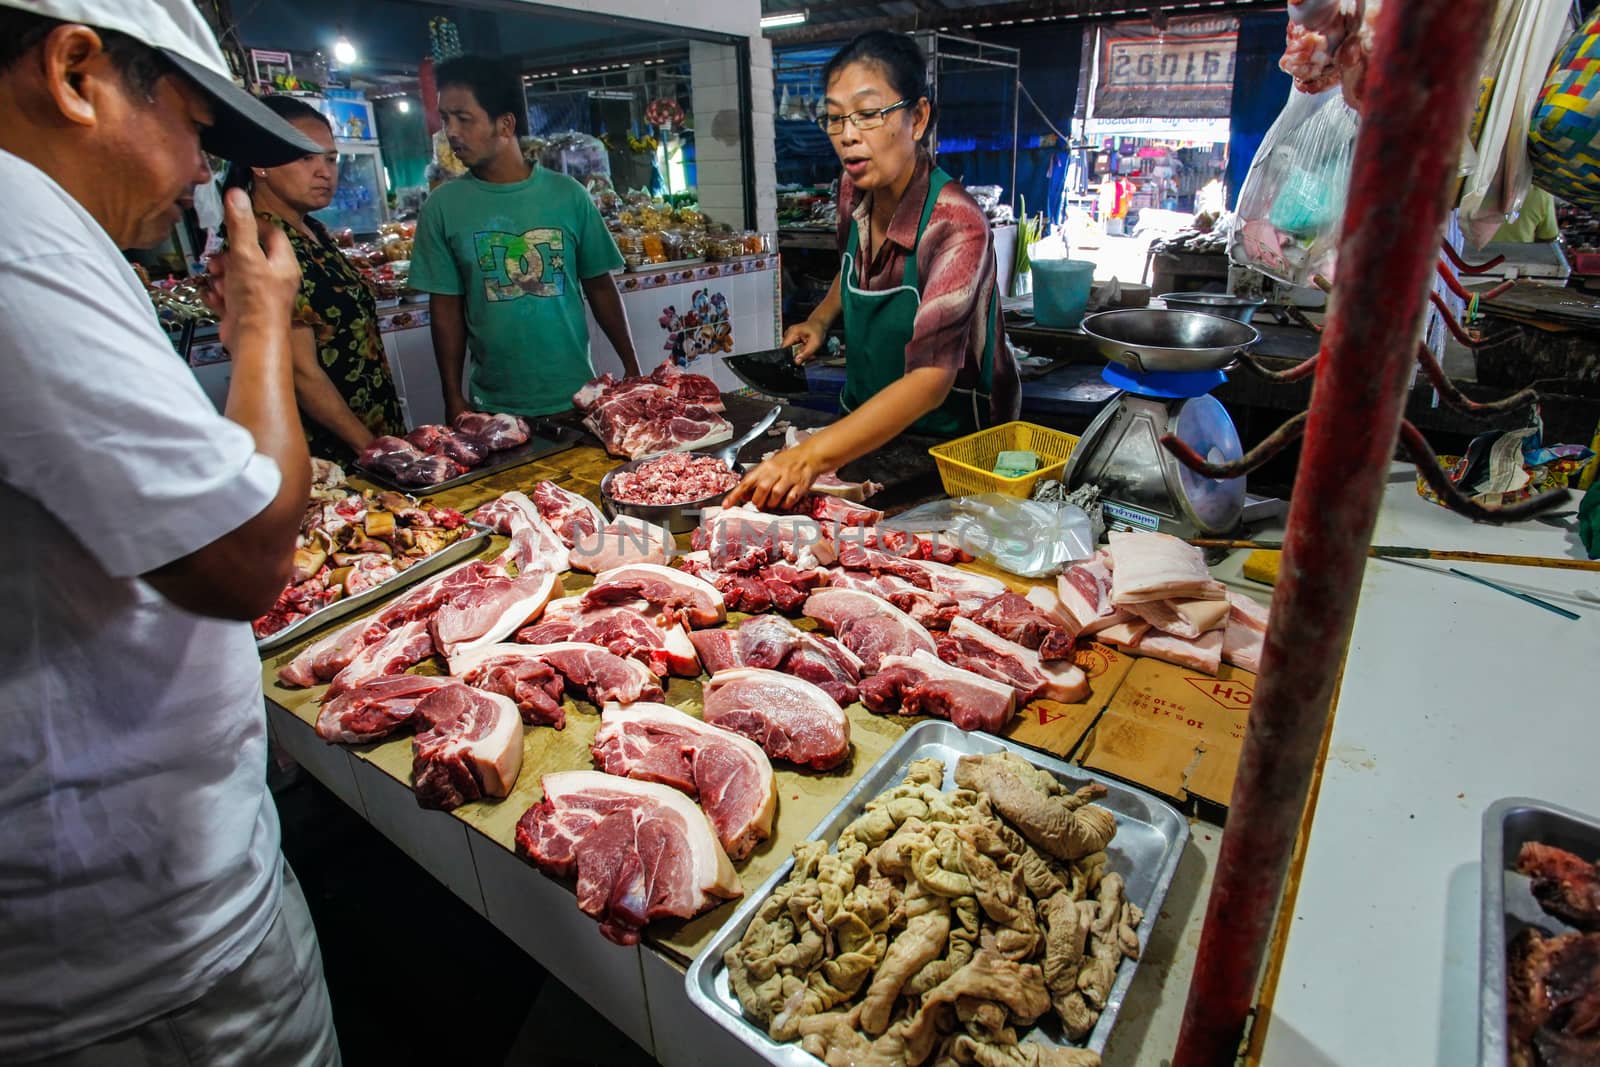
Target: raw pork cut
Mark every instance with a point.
(971, 647)
(666, 411)
(1246, 632)
(1156, 566)
(780, 586)
(405, 464)
(425, 599)
(535, 545)
(323, 659)
(967, 589)
(622, 541)
(495, 431)
(671, 593)
(1020, 619)
(625, 631)
(1202, 654)
(443, 441)
(869, 627)
(1182, 618)
(1085, 591)
(923, 684)
(774, 643)
(899, 543)
(931, 608)
(1122, 631)
(745, 540)
(488, 613)
(569, 515)
(535, 676)
(470, 748)
(395, 652)
(377, 709)
(788, 717)
(728, 774)
(836, 511)
(640, 851)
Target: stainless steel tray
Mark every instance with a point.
(1150, 838)
(1508, 902)
(454, 552)
(531, 449)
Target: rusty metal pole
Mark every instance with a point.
(1419, 92)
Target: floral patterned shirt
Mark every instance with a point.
(341, 310)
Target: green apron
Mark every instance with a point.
(878, 326)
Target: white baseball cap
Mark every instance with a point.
(244, 129)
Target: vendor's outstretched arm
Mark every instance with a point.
(781, 481)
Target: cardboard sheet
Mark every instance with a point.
(1057, 728)
(1174, 730)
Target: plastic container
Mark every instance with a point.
(966, 465)
(1061, 292)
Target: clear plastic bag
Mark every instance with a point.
(1292, 203)
(1028, 538)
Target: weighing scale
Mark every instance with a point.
(1166, 363)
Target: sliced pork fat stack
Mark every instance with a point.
(774, 643)
(488, 613)
(1156, 566)
(626, 631)
(923, 684)
(1246, 632)
(671, 593)
(1203, 653)
(869, 627)
(535, 676)
(397, 651)
(1034, 621)
(639, 851)
(971, 647)
(374, 711)
(728, 774)
(788, 717)
(468, 746)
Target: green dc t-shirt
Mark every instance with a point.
(516, 254)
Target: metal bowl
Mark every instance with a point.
(678, 518)
(1228, 306)
(1153, 340)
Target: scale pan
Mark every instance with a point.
(1154, 339)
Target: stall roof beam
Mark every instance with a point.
(984, 16)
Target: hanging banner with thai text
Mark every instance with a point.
(1182, 72)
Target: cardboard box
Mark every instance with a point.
(1057, 728)
(1174, 730)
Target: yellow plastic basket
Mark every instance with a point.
(966, 465)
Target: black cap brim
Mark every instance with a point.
(243, 130)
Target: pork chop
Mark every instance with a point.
(374, 711)
(868, 626)
(470, 748)
(670, 593)
(971, 647)
(923, 684)
(523, 673)
(626, 631)
(789, 718)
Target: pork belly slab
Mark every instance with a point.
(639, 851)
(728, 774)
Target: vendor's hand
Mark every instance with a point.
(781, 482)
(454, 406)
(809, 336)
(253, 284)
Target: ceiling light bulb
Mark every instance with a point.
(403, 106)
(344, 52)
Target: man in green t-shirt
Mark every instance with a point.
(509, 252)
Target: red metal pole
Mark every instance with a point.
(1419, 89)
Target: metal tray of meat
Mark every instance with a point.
(454, 552)
(1145, 851)
(1508, 902)
(531, 449)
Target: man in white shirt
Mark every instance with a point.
(146, 914)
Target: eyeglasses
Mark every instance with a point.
(867, 119)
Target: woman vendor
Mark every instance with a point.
(924, 345)
(341, 381)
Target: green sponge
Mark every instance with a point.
(1016, 464)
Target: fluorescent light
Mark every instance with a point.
(609, 94)
(344, 52)
(788, 18)
(403, 106)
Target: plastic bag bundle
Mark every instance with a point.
(1028, 538)
(1292, 203)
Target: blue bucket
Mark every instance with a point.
(1061, 292)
